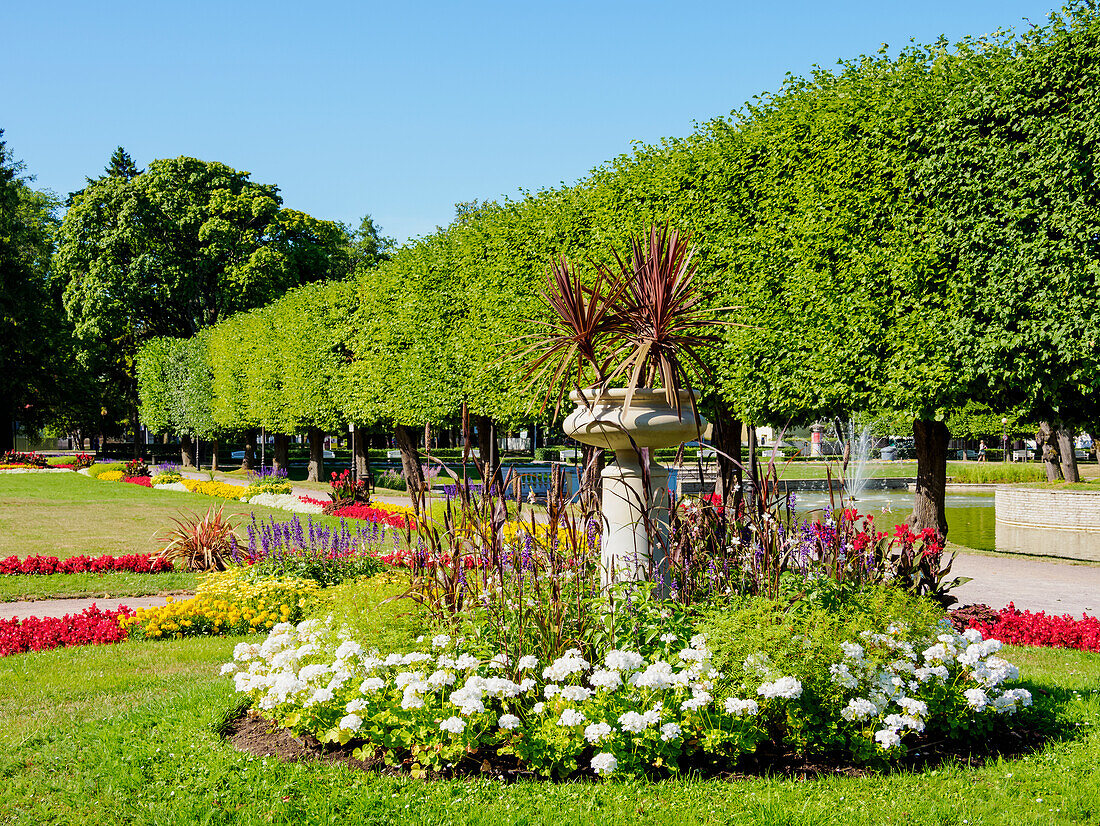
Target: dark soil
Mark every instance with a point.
(253, 734)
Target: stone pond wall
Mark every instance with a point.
(1049, 522)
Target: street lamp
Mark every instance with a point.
(1004, 438)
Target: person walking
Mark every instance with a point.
(981, 451)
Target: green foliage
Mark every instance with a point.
(174, 249)
(988, 473)
(105, 467)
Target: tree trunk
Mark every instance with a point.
(7, 433)
(490, 455)
(135, 422)
(316, 455)
(751, 482)
(187, 450)
(1047, 441)
(410, 464)
(361, 457)
(930, 443)
(727, 445)
(249, 461)
(1067, 454)
(280, 453)
(213, 454)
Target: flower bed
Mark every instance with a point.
(90, 627)
(630, 713)
(144, 481)
(228, 602)
(1017, 627)
(39, 565)
(381, 512)
(286, 502)
(219, 489)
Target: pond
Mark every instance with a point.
(971, 518)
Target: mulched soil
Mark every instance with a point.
(253, 734)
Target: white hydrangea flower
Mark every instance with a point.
(698, 641)
(575, 693)
(526, 685)
(658, 675)
(446, 662)
(669, 637)
(440, 678)
(617, 660)
(371, 684)
(565, 666)
(571, 717)
(538, 708)
(972, 635)
(925, 674)
(595, 732)
(859, 708)
(606, 679)
(352, 722)
(840, 675)
(633, 722)
(550, 690)
(701, 699)
(739, 707)
(499, 661)
(670, 731)
(976, 698)
(465, 662)
(414, 657)
(508, 721)
(888, 738)
(528, 662)
(355, 705)
(455, 725)
(913, 707)
(897, 722)
(853, 651)
(312, 672)
(788, 688)
(406, 677)
(228, 668)
(348, 648)
(604, 763)
(321, 695)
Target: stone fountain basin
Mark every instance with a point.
(651, 420)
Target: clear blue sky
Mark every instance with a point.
(402, 109)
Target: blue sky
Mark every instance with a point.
(401, 110)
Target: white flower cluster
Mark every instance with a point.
(284, 501)
(176, 486)
(885, 684)
(326, 681)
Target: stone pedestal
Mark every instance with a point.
(635, 518)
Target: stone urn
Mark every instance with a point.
(635, 518)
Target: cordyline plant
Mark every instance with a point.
(640, 323)
(201, 543)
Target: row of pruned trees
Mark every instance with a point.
(910, 235)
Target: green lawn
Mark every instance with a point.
(126, 734)
(67, 515)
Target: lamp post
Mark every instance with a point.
(1004, 438)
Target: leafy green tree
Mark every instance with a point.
(176, 248)
(33, 371)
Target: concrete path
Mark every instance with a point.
(1054, 586)
(43, 608)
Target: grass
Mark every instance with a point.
(66, 515)
(114, 584)
(127, 734)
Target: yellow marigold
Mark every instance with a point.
(111, 476)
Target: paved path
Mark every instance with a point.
(1054, 586)
(42, 608)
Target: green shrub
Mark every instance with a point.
(547, 454)
(102, 467)
(985, 472)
